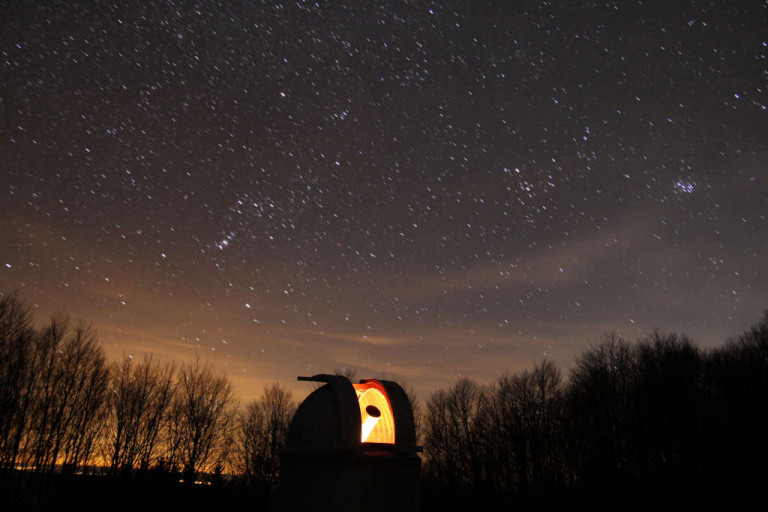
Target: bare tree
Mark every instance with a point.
(602, 407)
(16, 357)
(263, 429)
(670, 396)
(67, 382)
(202, 415)
(124, 406)
(140, 396)
(452, 439)
(524, 413)
(162, 383)
(736, 382)
(86, 376)
(46, 394)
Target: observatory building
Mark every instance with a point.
(350, 447)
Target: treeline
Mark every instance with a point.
(630, 417)
(65, 409)
(641, 420)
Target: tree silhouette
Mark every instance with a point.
(519, 432)
(16, 355)
(263, 429)
(452, 438)
(202, 414)
(68, 383)
(601, 409)
(86, 377)
(140, 397)
(736, 383)
(670, 403)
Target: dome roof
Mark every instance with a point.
(329, 419)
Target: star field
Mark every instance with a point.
(422, 189)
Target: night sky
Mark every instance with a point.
(420, 190)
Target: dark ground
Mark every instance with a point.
(82, 493)
(98, 493)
